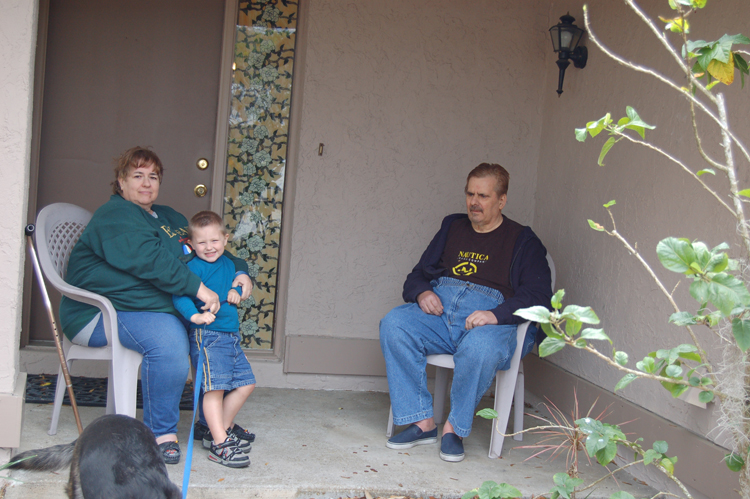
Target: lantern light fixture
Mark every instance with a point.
(565, 38)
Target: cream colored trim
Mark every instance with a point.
(328, 355)
(290, 183)
(40, 63)
(700, 463)
(11, 414)
(231, 8)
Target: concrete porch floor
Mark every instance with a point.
(326, 444)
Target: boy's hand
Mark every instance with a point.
(204, 318)
(233, 297)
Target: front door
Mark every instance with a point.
(120, 74)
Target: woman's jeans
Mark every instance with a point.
(163, 341)
(408, 335)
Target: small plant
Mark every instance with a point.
(492, 490)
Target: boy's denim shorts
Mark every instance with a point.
(225, 366)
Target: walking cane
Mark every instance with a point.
(29, 232)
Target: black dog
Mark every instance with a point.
(116, 457)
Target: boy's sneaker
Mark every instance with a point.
(241, 433)
(199, 430)
(244, 445)
(228, 454)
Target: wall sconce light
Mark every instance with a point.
(565, 37)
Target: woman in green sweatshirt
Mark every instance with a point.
(129, 252)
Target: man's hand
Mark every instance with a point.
(430, 303)
(210, 299)
(233, 297)
(243, 281)
(480, 318)
(204, 318)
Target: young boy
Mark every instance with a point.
(225, 367)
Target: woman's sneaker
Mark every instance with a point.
(242, 443)
(228, 454)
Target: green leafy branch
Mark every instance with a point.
(564, 328)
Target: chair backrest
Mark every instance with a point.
(58, 228)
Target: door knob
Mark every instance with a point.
(200, 190)
(202, 164)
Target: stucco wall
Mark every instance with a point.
(18, 34)
(654, 199)
(407, 97)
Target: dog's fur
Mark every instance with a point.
(116, 457)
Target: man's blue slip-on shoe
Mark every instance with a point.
(451, 448)
(412, 436)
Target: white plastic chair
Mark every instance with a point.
(58, 228)
(509, 389)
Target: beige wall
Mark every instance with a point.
(654, 199)
(18, 32)
(407, 99)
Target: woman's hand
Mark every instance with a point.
(210, 299)
(243, 281)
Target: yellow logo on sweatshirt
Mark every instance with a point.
(465, 269)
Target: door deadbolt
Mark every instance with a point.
(202, 164)
(200, 190)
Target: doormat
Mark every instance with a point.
(89, 392)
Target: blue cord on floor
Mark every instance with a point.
(196, 396)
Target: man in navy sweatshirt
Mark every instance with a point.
(478, 270)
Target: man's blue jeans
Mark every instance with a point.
(408, 335)
(163, 341)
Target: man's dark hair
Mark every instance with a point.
(501, 175)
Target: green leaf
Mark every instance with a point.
(725, 291)
(705, 381)
(572, 327)
(607, 454)
(744, 192)
(487, 413)
(650, 455)
(647, 365)
(492, 490)
(734, 462)
(682, 319)
(674, 371)
(582, 314)
(675, 254)
(704, 171)
(706, 396)
(550, 346)
(537, 313)
(557, 299)
(741, 331)
(550, 331)
(625, 381)
(595, 226)
(595, 334)
(605, 149)
(621, 358)
(621, 494)
(611, 203)
(661, 446)
(581, 134)
(675, 389)
(668, 465)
